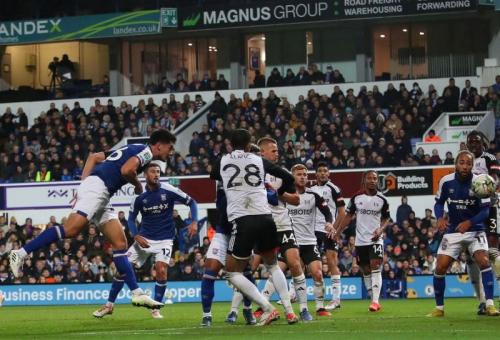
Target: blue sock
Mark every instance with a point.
(50, 235)
(439, 287)
(488, 285)
(125, 268)
(160, 288)
(247, 303)
(207, 290)
(116, 287)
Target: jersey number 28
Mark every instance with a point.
(251, 171)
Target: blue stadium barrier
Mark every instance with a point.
(189, 291)
(177, 291)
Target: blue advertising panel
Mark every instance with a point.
(177, 291)
(456, 286)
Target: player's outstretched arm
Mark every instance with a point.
(286, 177)
(92, 160)
(129, 172)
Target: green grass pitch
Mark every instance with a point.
(399, 319)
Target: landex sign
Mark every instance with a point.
(81, 27)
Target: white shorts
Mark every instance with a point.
(218, 248)
(92, 201)
(453, 244)
(160, 250)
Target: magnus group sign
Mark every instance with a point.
(80, 27)
(293, 11)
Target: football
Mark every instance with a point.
(483, 186)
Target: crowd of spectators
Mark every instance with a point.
(411, 245)
(367, 129)
(56, 146)
(311, 75)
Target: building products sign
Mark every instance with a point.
(280, 11)
(406, 182)
(465, 119)
(83, 27)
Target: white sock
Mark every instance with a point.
(319, 294)
(440, 307)
(335, 287)
(138, 291)
(376, 284)
(249, 289)
(281, 286)
(236, 301)
(489, 302)
(299, 283)
(207, 314)
(367, 279)
(475, 279)
(269, 289)
(291, 290)
(109, 304)
(22, 253)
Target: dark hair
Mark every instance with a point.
(476, 133)
(162, 136)
(150, 165)
(365, 174)
(322, 165)
(240, 139)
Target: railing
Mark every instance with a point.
(440, 66)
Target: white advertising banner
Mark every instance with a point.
(55, 196)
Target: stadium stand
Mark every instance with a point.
(370, 128)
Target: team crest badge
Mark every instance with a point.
(163, 197)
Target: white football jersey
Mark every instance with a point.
(370, 211)
(242, 176)
(331, 194)
(280, 212)
(304, 216)
(484, 163)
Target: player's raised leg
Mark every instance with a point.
(75, 224)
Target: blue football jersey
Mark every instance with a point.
(156, 208)
(110, 170)
(462, 204)
(223, 225)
